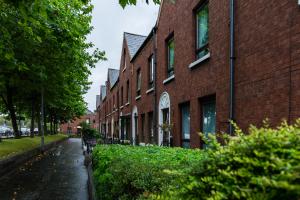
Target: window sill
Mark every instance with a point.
(200, 60)
(124, 69)
(138, 97)
(150, 90)
(121, 107)
(127, 104)
(169, 79)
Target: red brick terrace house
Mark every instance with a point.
(203, 64)
(73, 127)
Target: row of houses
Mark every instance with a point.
(204, 63)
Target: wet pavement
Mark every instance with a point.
(58, 175)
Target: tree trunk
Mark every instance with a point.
(12, 111)
(32, 117)
(39, 123)
(55, 125)
(51, 125)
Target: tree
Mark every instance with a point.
(124, 3)
(44, 48)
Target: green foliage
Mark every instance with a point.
(128, 172)
(11, 147)
(88, 132)
(264, 164)
(43, 47)
(124, 3)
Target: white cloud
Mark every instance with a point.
(110, 20)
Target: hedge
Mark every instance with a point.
(264, 164)
(128, 172)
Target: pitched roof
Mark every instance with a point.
(88, 112)
(98, 101)
(113, 75)
(134, 42)
(103, 92)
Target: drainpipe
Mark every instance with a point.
(155, 83)
(232, 64)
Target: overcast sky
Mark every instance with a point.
(110, 21)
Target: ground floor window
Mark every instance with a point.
(209, 116)
(143, 128)
(125, 128)
(151, 136)
(185, 125)
(136, 142)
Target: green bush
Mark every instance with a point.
(262, 165)
(128, 172)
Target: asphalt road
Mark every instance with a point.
(58, 175)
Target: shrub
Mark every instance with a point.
(128, 172)
(262, 165)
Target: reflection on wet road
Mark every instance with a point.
(58, 175)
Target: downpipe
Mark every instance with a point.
(232, 67)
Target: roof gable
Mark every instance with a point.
(103, 92)
(134, 42)
(113, 76)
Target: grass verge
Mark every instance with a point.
(11, 147)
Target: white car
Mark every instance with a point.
(5, 131)
(25, 131)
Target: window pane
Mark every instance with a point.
(171, 55)
(185, 121)
(202, 27)
(152, 69)
(209, 117)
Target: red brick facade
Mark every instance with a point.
(267, 71)
(73, 127)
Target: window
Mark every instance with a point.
(128, 91)
(87, 121)
(138, 82)
(171, 56)
(143, 128)
(151, 71)
(122, 96)
(202, 18)
(114, 102)
(136, 142)
(185, 125)
(209, 117)
(150, 127)
(124, 59)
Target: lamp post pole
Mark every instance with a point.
(42, 119)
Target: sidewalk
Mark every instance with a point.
(59, 175)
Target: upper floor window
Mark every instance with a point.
(124, 59)
(202, 18)
(138, 82)
(151, 71)
(128, 91)
(122, 96)
(171, 56)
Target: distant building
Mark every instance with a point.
(73, 127)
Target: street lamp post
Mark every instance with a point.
(42, 120)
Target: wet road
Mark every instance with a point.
(58, 175)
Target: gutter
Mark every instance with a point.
(232, 66)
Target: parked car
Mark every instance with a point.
(36, 131)
(6, 131)
(25, 131)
